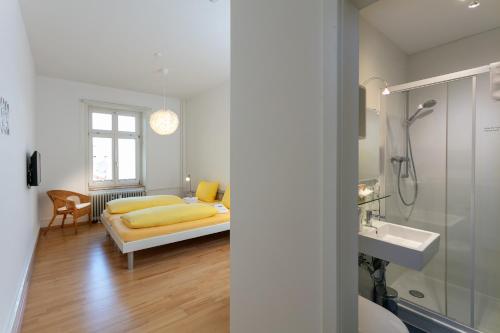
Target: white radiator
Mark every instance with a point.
(100, 198)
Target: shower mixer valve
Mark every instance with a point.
(399, 159)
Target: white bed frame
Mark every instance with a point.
(130, 247)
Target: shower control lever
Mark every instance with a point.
(399, 159)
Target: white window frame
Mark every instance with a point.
(115, 110)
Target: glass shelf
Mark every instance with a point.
(372, 198)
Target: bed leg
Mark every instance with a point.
(130, 261)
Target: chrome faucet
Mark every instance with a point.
(368, 215)
(368, 218)
(360, 219)
(368, 221)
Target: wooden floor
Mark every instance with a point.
(80, 284)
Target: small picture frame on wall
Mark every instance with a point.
(4, 117)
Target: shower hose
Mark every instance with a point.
(412, 165)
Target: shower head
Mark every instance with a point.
(425, 106)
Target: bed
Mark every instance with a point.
(129, 240)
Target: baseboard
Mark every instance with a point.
(67, 225)
(58, 221)
(20, 305)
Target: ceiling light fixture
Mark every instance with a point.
(474, 4)
(164, 121)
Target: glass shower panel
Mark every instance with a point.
(393, 110)
(428, 138)
(455, 148)
(457, 238)
(487, 225)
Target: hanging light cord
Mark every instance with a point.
(164, 89)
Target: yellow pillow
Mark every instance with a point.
(226, 199)
(207, 191)
(125, 205)
(167, 215)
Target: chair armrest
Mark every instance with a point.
(70, 204)
(84, 198)
(64, 202)
(59, 202)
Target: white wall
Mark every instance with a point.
(62, 141)
(18, 213)
(378, 57)
(474, 51)
(283, 88)
(207, 136)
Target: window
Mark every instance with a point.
(114, 147)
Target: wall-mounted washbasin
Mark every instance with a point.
(405, 246)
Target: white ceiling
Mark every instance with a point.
(417, 25)
(112, 42)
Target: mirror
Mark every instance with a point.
(369, 147)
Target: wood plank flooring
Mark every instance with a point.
(80, 284)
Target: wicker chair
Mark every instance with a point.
(69, 203)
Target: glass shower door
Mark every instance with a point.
(456, 154)
(473, 205)
(487, 212)
(428, 138)
(441, 141)
(458, 238)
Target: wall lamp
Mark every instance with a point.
(188, 180)
(385, 92)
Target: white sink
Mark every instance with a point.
(409, 247)
(375, 319)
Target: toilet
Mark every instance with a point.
(375, 319)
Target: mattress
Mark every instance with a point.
(128, 234)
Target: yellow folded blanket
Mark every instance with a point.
(166, 215)
(125, 205)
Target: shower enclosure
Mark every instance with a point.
(455, 148)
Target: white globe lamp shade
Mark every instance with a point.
(164, 122)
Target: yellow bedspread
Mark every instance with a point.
(129, 234)
(167, 215)
(125, 205)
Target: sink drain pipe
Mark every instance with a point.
(382, 295)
